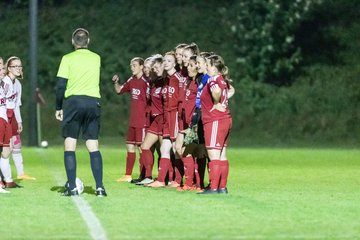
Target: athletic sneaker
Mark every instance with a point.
(209, 191)
(145, 181)
(125, 178)
(12, 185)
(25, 177)
(100, 192)
(69, 193)
(156, 184)
(3, 191)
(222, 191)
(136, 180)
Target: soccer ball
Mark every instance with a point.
(44, 144)
(79, 185)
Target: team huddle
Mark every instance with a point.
(10, 123)
(179, 107)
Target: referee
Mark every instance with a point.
(78, 85)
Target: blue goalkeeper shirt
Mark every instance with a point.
(204, 80)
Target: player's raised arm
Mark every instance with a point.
(117, 85)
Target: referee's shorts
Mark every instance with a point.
(81, 113)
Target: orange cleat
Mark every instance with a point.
(185, 188)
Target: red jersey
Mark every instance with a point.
(156, 98)
(170, 92)
(182, 90)
(207, 101)
(138, 89)
(190, 100)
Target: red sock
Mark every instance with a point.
(179, 170)
(189, 167)
(164, 166)
(148, 159)
(224, 168)
(171, 171)
(214, 174)
(130, 161)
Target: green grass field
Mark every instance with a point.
(273, 194)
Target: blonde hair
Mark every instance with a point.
(170, 53)
(193, 47)
(181, 45)
(218, 62)
(138, 59)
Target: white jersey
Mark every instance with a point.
(2, 102)
(17, 89)
(10, 93)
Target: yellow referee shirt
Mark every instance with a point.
(82, 70)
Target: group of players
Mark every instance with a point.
(10, 122)
(179, 106)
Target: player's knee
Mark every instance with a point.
(17, 146)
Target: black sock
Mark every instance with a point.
(70, 167)
(96, 167)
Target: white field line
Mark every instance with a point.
(96, 230)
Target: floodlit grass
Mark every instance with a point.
(273, 194)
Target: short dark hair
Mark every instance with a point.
(80, 37)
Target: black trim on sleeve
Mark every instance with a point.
(60, 92)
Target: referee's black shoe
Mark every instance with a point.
(69, 193)
(222, 190)
(100, 192)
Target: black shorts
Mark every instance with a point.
(200, 132)
(81, 113)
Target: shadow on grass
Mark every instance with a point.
(60, 189)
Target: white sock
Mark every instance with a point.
(18, 161)
(6, 169)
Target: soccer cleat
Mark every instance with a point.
(70, 193)
(145, 181)
(222, 191)
(125, 178)
(156, 184)
(2, 184)
(25, 177)
(173, 184)
(209, 191)
(137, 180)
(100, 192)
(3, 191)
(12, 185)
(185, 188)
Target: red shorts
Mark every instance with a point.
(182, 121)
(148, 119)
(156, 125)
(5, 133)
(135, 135)
(216, 133)
(171, 125)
